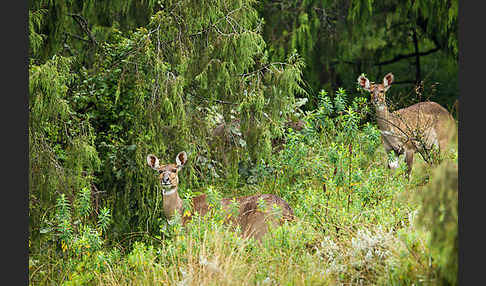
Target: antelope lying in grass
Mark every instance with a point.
(252, 219)
(422, 127)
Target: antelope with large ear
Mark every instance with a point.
(420, 127)
(252, 219)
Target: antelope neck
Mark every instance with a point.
(383, 117)
(172, 202)
(170, 192)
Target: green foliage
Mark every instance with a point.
(35, 22)
(112, 81)
(48, 84)
(76, 234)
(83, 202)
(442, 15)
(79, 238)
(104, 219)
(74, 28)
(61, 153)
(439, 214)
(63, 219)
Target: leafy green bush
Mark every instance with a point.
(80, 241)
(439, 214)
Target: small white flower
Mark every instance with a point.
(369, 255)
(185, 278)
(211, 266)
(267, 281)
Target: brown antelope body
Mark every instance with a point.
(420, 127)
(252, 220)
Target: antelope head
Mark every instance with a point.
(168, 174)
(377, 90)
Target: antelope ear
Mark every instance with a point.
(364, 82)
(153, 161)
(181, 159)
(387, 80)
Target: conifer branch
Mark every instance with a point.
(265, 67)
(83, 23)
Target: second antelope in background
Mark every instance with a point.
(252, 217)
(422, 127)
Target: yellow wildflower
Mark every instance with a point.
(63, 246)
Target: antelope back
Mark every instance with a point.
(429, 120)
(257, 213)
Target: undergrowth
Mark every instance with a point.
(356, 221)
